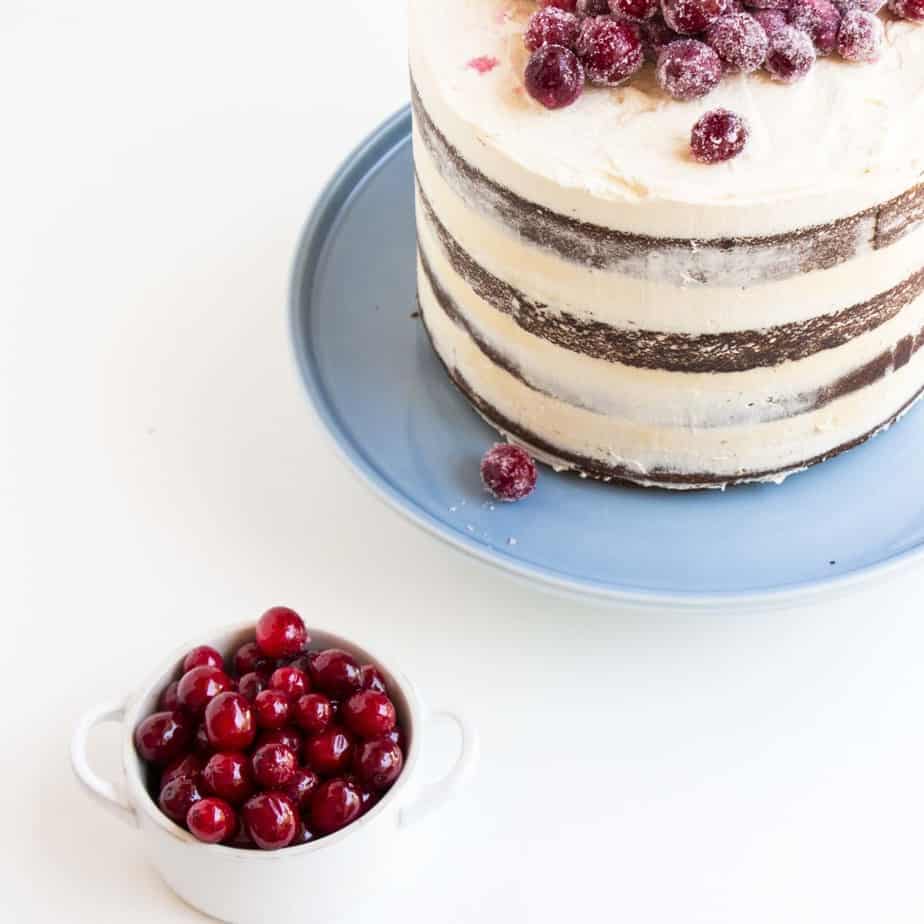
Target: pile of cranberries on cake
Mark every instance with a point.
(694, 44)
(275, 747)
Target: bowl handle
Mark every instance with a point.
(433, 795)
(109, 795)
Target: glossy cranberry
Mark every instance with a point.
(820, 19)
(551, 26)
(203, 656)
(860, 37)
(229, 722)
(290, 681)
(251, 684)
(249, 659)
(271, 709)
(367, 796)
(242, 839)
(212, 821)
(791, 55)
(690, 17)
(271, 820)
(688, 69)
(301, 787)
(288, 737)
(370, 678)
(198, 687)
(334, 805)
(312, 712)
(273, 765)
(908, 9)
(740, 41)
(178, 797)
(228, 776)
(610, 51)
(637, 10)
(330, 752)
(378, 763)
(369, 714)
(163, 736)
(201, 744)
(169, 702)
(336, 673)
(189, 765)
(397, 736)
(718, 136)
(554, 77)
(281, 633)
(303, 835)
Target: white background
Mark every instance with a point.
(161, 473)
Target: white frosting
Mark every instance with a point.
(844, 139)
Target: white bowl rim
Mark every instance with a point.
(142, 800)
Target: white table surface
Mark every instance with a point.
(161, 473)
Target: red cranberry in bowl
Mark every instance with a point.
(397, 736)
(199, 686)
(201, 744)
(508, 472)
(178, 797)
(820, 19)
(169, 701)
(249, 659)
(271, 709)
(288, 737)
(330, 752)
(378, 763)
(251, 684)
(334, 805)
(229, 777)
(610, 51)
(688, 69)
(229, 722)
(554, 77)
(336, 673)
(369, 714)
(372, 679)
(189, 765)
(303, 835)
(289, 681)
(690, 17)
(212, 821)
(313, 713)
(273, 765)
(908, 9)
(791, 55)
(203, 656)
(637, 10)
(300, 788)
(281, 633)
(270, 819)
(163, 736)
(551, 26)
(719, 135)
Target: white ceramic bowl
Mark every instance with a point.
(306, 883)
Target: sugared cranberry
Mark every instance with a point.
(690, 17)
(740, 41)
(189, 765)
(251, 684)
(330, 752)
(592, 7)
(791, 55)
(249, 659)
(288, 737)
(229, 722)
(908, 9)
(508, 472)
(212, 821)
(688, 69)
(781, 5)
(289, 681)
(378, 763)
(656, 34)
(868, 6)
(860, 37)
(719, 135)
(203, 656)
(301, 787)
(228, 776)
(271, 709)
(554, 77)
(281, 633)
(273, 765)
(610, 51)
(169, 702)
(270, 819)
(334, 805)
(820, 19)
(163, 736)
(336, 673)
(637, 10)
(199, 686)
(178, 797)
(568, 6)
(771, 21)
(551, 26)
(369, 714)
(313, 712)
(201, 743)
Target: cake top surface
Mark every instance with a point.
(847, 135)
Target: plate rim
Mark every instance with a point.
(379, 144)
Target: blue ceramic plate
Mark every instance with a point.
(384, 397)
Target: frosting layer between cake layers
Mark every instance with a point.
(624, 311)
